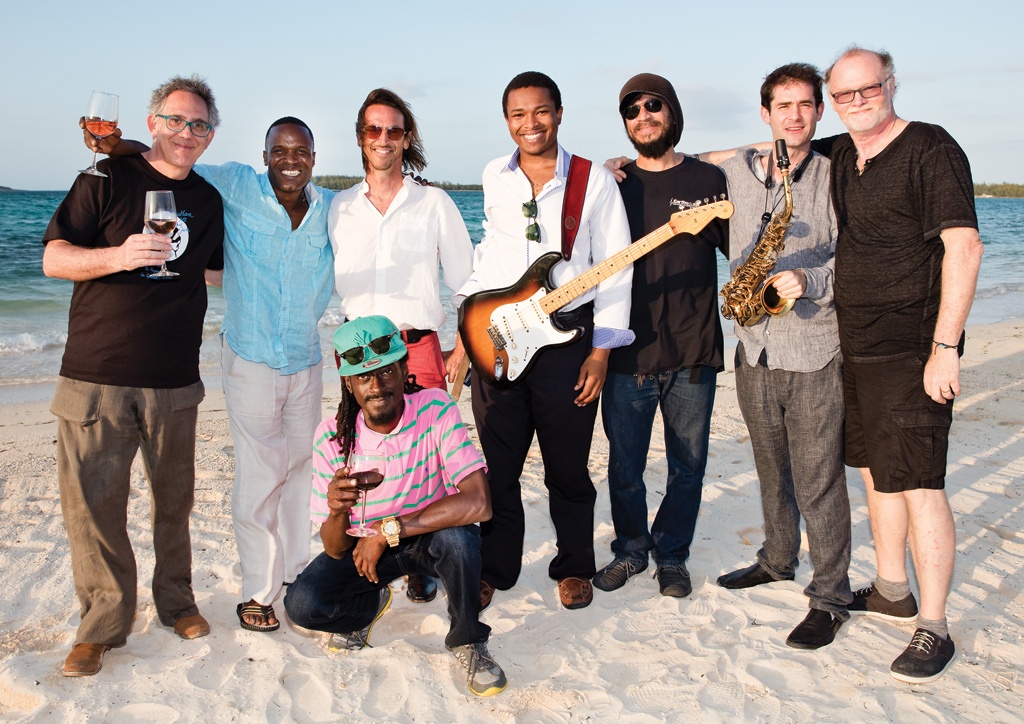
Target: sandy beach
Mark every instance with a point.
(632, 656)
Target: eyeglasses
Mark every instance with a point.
(653, 105)
(381, 345)
(394, 132)
(868, 91)
(533, 228)
(200, 129)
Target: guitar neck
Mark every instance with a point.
(558, 298)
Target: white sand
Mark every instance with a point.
(633, 655)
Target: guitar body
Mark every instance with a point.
(504, 329)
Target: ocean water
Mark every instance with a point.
(34, 309)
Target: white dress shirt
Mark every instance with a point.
(387, 264)
(505, 253)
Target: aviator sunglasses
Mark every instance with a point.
(653, 105)
(394, 132)
(381, 345)
(533, 228)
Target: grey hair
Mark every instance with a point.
(884, 57)
(195, 85)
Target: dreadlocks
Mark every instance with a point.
(348, 409)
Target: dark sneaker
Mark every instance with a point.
(615, 574)
(925, 659)
(868, 600)
(485, 677)
(360, 639)
(674, 580)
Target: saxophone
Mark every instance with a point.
(748, 295)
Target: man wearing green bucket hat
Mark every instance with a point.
(424, 492)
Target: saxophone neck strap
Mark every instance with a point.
(572, 203)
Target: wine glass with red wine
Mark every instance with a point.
(100, 121)
(161, 218)
(367, 467)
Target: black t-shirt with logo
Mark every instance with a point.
(888, 277)
(125, 329)
(675, 288)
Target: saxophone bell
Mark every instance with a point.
(773, 303)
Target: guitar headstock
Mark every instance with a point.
(690, 221)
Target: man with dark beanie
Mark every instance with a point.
(678, 353)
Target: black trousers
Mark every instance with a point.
(541, 402)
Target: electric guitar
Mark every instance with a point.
(503, 330)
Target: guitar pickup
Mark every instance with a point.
(496, 338)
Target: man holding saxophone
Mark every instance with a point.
(788, 367)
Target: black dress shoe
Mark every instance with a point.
(421, 589)
(749, 577)
(816, 630)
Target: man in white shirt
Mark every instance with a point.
(388, 234)
(523, 197)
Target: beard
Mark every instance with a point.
(386, 415)
(656, 147)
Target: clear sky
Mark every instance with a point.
(959, 64)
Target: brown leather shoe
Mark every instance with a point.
(575, 592)
(486, 594)
(421, 589)
(84, 660)
(191, 627)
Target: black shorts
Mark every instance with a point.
(893, 427)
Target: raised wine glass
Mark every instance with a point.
(367, 467)
(161, 218)
(100, 121)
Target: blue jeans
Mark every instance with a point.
(331, 596)
(627, 408)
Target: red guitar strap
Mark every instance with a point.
(572, 203)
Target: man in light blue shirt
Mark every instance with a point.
(278, 280)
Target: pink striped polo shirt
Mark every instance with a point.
(426, 456)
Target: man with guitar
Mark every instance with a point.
(527, 206)
(678, 351)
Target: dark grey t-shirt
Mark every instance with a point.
(889, 255)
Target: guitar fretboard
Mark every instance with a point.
(693, 221)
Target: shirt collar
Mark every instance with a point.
(561, 163)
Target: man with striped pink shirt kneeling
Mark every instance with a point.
(422, 511)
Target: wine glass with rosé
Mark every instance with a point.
(161, 218)
(100, 121)
(367, 468)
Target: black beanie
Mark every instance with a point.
(656, 86)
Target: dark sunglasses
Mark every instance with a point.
(381, 345)
(394, 132)
(653, 105)
(533, 228)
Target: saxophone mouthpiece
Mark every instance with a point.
(782, 154)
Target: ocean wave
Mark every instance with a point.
(28, 343)
(999, 290)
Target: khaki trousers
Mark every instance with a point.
(100, 429)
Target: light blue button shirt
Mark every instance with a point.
(277, 282)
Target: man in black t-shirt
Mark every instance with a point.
(674, 362)
(129, 378)
(907, 263)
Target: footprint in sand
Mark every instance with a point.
(311, 699)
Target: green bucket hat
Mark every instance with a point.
(369, 343)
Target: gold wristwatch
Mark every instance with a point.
(391, 529)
